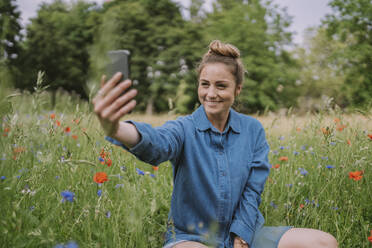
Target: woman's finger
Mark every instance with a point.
(118, 103)
(127, 108)
(103, 80)
(112, 96)
(106, 87)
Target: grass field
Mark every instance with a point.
(321, 178)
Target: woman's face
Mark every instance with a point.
(217, 89)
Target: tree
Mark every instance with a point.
(321, 74)
(57, 42)
(10, 38)
(351, 23)
(160, 41)
(259, 31)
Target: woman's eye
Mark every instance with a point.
(221, 86)
(204, 84)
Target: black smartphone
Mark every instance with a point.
(118, 61)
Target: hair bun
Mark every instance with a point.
(223, 49)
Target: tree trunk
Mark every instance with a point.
(150, 106)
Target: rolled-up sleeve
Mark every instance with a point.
(246, 215)
(156, 144)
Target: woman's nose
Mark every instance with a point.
(212, 92)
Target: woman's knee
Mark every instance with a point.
(190, 244)
(304, 238)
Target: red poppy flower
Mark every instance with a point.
(275, 166)
(67, 129)
(52, 116)
(155, 168)
(283, 158)
(298, 129)
(340, 127)
(6, 130)
(108, 162)
(100, 177)
(58, 123)
(302, 206)
(370, 237)
(356, 175)
(348, 142)
(74, 136)
(370, 136)
(336, 120)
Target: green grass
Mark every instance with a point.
(39, 160)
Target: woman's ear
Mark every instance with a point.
(238, 89)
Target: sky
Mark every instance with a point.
(305, 13)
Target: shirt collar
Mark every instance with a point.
(203, 124)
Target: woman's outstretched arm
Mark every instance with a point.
(110, 104)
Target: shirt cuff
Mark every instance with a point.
(243, 231)
(138, 148)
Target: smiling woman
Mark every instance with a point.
(219, 158)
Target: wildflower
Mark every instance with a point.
(356, 175)
(101, 160)
(332, 143)
(335, 208)
(283, 158)
(6, 130)
(273, 204)
(152, 175)
(74, 136)
(307, 201)
(289, 185)
(119, 186)
(276, 166)
(324, 158)
(72, 244)
(275, 152)
(370, 136)
(330, 166)
(67, 129)
(295, 153)
(348, 142)
(281, 138)
(99, 192)
(58, 123)
(326, 131)
(59, 246)
(281, 147)
(67, 196)
(298, 129)
(52, 116)
(141, 173)
(2, 178)
(370, 237)
(337, 120)
(108, 214)
(303, 171)
(108, 162)
(303, 148)
(76, 121)
(32, 208)
(155, 168)
(340, 127)
(57, 177)
(302, 206)
(123, 168)
(100, 177)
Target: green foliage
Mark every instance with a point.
(350, 22)
(57, 43)
(39, 160)
(10, 38)
(258, 30)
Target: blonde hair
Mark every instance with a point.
(227, 54)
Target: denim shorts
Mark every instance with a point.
(266, 237)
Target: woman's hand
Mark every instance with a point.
(238, 243)
(110, 104)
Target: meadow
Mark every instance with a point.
(49, 159)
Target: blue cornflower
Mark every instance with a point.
(18, 177)
(3, 158)
(303, 171)
(303, 147)
(32, 208)
(295, 153)
(332, 143)
(307, 201)
(57, 177)
(152, 175)
(72, 244)
(99, 192)
(59, 246)
(273, 204)
(335, 208)
(281, 138)
(67, 196)
(289, 185)
(3, 177)
(123, 168)
(101, 159)
(324, 158)
(141, 173)
(119, 186)
(275, 152)
(108, 214)
(281, 147)
(330, 166)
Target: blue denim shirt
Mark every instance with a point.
(218, 177)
